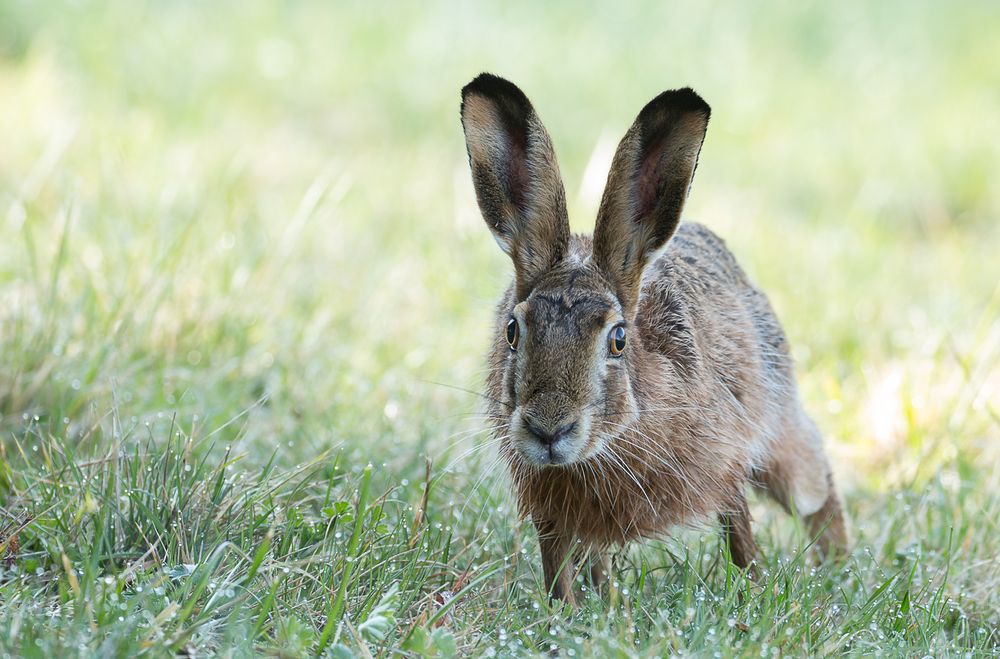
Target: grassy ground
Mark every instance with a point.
(244, 293)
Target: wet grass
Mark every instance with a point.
(244, 293)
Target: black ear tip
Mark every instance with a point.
(495, 87)
(691, 101)
(680, 101)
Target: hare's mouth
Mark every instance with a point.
(550, 456)
(549, 445)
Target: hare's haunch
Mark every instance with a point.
(637, 379)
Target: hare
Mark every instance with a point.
(637, 379)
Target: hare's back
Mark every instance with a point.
(703, 258)
(700, 309)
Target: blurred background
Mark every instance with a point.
(262, 210)
(204, 206)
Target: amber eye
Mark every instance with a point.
(513, 333)
(616, 340)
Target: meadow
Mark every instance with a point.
(245, 296)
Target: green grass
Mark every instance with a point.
(240, 262)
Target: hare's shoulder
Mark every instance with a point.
(697, 303)
(695, 274)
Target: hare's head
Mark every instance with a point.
(572, 346)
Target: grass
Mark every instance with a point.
(244, 296)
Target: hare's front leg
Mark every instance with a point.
(594, 562)
(557, 564)
(738, 532)
(600, 569)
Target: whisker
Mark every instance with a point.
(631, 474)
(469, 391)
(472, 451)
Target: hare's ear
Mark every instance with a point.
(649, 181)
(516, 177)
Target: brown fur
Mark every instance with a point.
(702, 402)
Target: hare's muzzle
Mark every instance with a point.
(549, 437)
(548, 432)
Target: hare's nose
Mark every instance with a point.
(549, 437)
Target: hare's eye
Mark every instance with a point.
(513, 333)
(616, 340)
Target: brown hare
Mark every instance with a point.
(637, 379)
